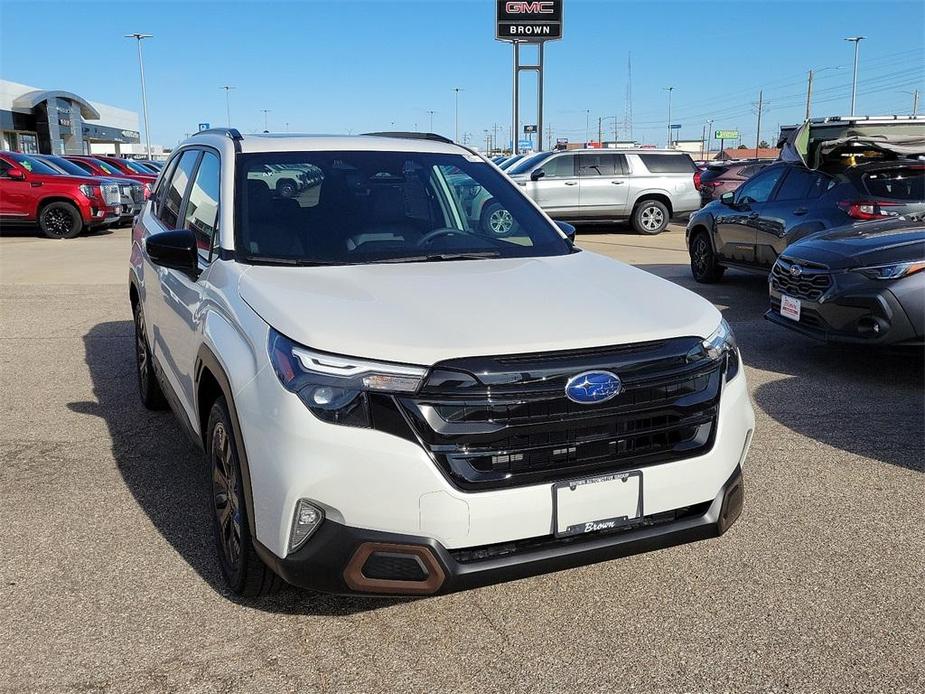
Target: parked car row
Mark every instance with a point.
(65, 195)
(838, 225)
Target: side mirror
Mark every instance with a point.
(16, 174)
(175, 250)
(568, 230)
(728, 198)
(537, 174)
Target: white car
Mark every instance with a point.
(392, 400)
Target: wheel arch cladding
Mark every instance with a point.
(653, 195)
(45, 202)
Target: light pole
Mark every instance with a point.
(431, 121)
(266, 127)
(809, 88)
(669, 90)
(915, 101)
(854, 82)
(709, 138)
(587, 125)
(228, 89)
(144, 96)
(456, 134)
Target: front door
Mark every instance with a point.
(736, 224)
(603, 184)
(14, 193)
(557, 190)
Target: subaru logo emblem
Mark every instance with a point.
(796, 270)
(591, 387)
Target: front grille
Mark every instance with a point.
(513, 424)
(111, 194)
(810, 284)
(138, 195)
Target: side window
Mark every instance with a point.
(201, 216)
(796, 185)
(169, 209)
(621, 168)
(83, 165)
(4, 169)
(596, 164)
(162, 183)
(759, 188)
(560, 166)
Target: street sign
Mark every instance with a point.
(524, 144)
(561, 140)
(203, 126)
(530, 21)
(726, 135)
(675, 126)
(529, 129)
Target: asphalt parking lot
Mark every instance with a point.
(108, 583)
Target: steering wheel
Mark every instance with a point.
(437, 233)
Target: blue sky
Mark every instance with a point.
(358, 66)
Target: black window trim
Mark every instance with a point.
(189, 189)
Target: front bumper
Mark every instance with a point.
(855, 310)
(334, 559)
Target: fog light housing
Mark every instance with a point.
(305, 521)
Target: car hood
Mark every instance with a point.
(861, 244)
(422, 313)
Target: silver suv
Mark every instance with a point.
(646, 186)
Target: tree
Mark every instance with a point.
(763, 144)
(742, 147)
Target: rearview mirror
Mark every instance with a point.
(727, 198)
(175, 250)
(568, 230)
(537, 174)
(16, 174)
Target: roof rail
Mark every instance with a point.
(227, 132)
(413, 136)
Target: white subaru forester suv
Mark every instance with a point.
(396, 398)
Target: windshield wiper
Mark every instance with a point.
(297, 262)
(439, 257)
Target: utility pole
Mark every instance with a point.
(809, 94)
(587, 126)
(228, 89)
(144, 97)
(266, 127)
(600, 130)
(703, 137)
(548, 137)
(669, 90)
(915, 101)
(758, 134)
(456, 136)
(854, 82)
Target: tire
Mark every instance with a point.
(704, 266)
(245, 573)
(152, 397)
(60, 220)
(286, 189)
(650, 217)
(495, 220)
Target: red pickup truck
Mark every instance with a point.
(31, 192)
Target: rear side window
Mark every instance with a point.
(169, 210)
(605, 164)
(201, 216)
(801, 184)
(668, 163)
(897, 184)
(82, 165)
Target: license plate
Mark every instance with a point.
(597, 503)
(789, 307)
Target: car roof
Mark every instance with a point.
(299, 142)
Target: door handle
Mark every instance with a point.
(800, 211)
(571, 183)
(753, 215)
(617, 183)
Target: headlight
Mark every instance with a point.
(89, 191)
(723, 343)
(336, 388)
(892, 272)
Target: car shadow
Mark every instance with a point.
(166, 474)
(862, 400)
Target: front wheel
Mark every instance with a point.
(244, 571)
(650, 217)
(60, 220)
(704, 266)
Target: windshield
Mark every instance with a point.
(366, 207)
(66, 166)
(524, 165)
(510, 161)
(107, 167)
(34, 165)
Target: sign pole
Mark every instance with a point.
(539, 99)
(516, 110)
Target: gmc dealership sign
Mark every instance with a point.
(528, 20)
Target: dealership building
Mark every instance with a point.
(36, 120)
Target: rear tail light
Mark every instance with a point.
(147, 190)
(867, 209)
(697, 176)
